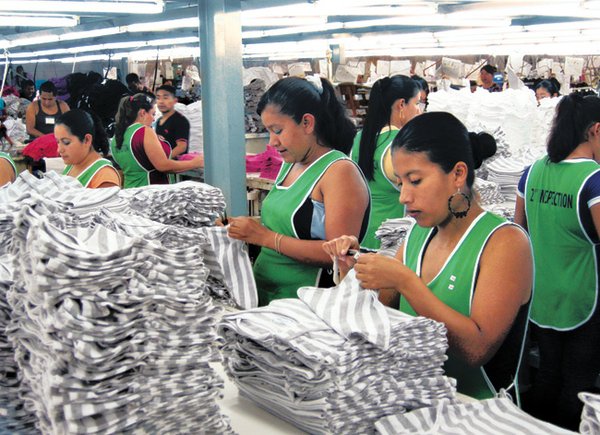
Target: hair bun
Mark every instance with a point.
(483, 146)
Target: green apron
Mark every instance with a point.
(88, 174)
(278, 276)
(385, 196)
(454, 286)
(565, 259)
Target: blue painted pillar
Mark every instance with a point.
(223, 100)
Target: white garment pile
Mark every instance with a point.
(485, 417)
(392, 233)
(590, 416)
(506, 172)
(112, 333)
(193, 113)
(335, 360)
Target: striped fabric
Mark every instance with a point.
(590, 416)
(486, 417)
(348, 309)
(112, 333)
(322, 363)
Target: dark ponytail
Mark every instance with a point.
(128, 112)
(446, 142)
(384, 94)
(79, 122)
(573, 118)
(295, 97)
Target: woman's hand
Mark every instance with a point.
(338, 248)
(375, 271)
(198, 161)
(248, 230)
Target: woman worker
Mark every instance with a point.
(393, 102)
(143, 158)
(8, 169)
(459, 264)
(546, 89)
(318, 195)
(80, 140)
(558, 202)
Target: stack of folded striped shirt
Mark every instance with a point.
(188, 204)
(590, 416)
(112, 333)
(486, 417)
(392, 233)
(335, 360)
(14, 417)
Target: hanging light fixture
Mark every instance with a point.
(37, 20)
(106, 6)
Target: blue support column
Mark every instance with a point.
(223, 100)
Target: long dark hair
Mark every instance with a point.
(295, 97)
(446, 141)
(384, 94)
(128, 112)
(79, 122)
(573, 118)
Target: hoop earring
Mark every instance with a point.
(459, 214)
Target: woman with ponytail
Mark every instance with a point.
(459, 265)
(143, 158)
(318, 195)
(392, 103)
(559, 203)
(82, 143)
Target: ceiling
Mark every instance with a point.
(304, 29)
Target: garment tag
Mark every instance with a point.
(50, 120)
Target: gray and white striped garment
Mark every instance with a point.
(486, 417)
(348, 309)
(590, 415)
(288, 359)
(391, 233)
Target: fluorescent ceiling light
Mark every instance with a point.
(520, 8)
(37, 20)
(433, 20)
(85, 34)
(282, 21)
(106, 6)
(343, 7)
(108, 46)
(158, 26)
(591, 4)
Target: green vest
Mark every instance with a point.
(134, 174)
(278, 276)
(566, 267)
(385, 197)
(86, 175)
(10, 160)
(455, 285)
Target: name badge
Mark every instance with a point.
(50, 120)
